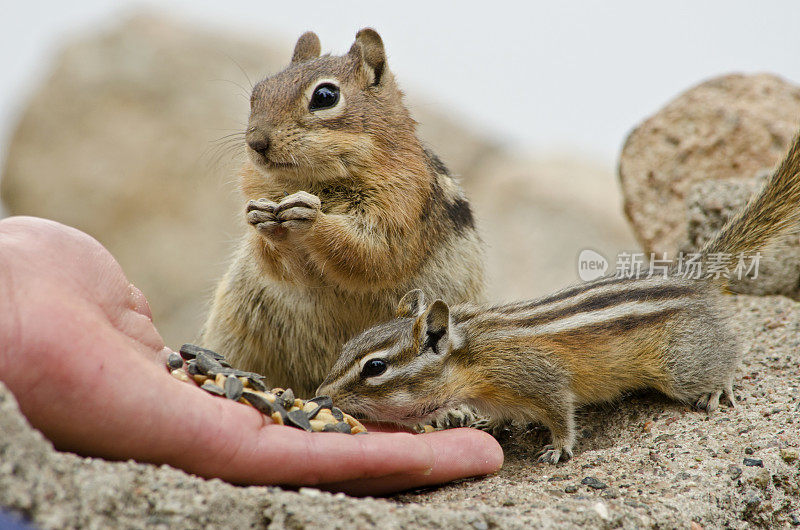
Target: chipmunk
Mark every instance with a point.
(347, 210)
(538, 360)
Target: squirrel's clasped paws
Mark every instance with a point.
(261, 214)
(295, 212)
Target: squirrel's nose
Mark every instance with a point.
(258, 143)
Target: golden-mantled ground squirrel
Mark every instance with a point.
(537, 360)
(347, 212)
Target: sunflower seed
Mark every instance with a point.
(323, 401)
(216, 376)
(337, 427)
(259, 402)
(287, 398)
(174, 361)
(256, 383)
(208, 365)
(298, 418)
(211, 388)
(190, 351)
(278, 408)
(233, 388)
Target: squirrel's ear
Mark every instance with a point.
(412, 304)
(437, 327)
(368, 47)
(307, 47)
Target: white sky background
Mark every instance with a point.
(572, 77)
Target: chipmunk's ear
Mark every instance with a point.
(307, 47)
(412, 304)
(437, 327)
(368, 48)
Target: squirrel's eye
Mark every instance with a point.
(374, 367)
(325, 96)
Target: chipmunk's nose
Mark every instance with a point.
(258, 141)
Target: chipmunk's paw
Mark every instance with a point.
(551, 455)
(298, 210)
(260, 214)
(710, 402)
(493, 427)
(462, 416)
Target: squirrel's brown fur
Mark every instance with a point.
(348, 211)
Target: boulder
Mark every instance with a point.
(730, 127)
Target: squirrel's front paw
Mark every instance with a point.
(261, 214)
(298, 210)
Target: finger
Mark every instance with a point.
(301, 198)
(459, 453)
(261, 204)
(297, 213)
(259, 216)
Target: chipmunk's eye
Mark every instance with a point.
(325, 96)
(374, 367)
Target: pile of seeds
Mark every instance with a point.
(212, 373)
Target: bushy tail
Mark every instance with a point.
(775, 210)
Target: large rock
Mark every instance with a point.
(663, 465)
(731, 127)
(127, 140)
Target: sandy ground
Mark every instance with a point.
(662, 465)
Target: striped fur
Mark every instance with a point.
(539, 359)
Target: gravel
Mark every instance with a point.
(663, 463)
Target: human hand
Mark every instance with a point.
(81, 355)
